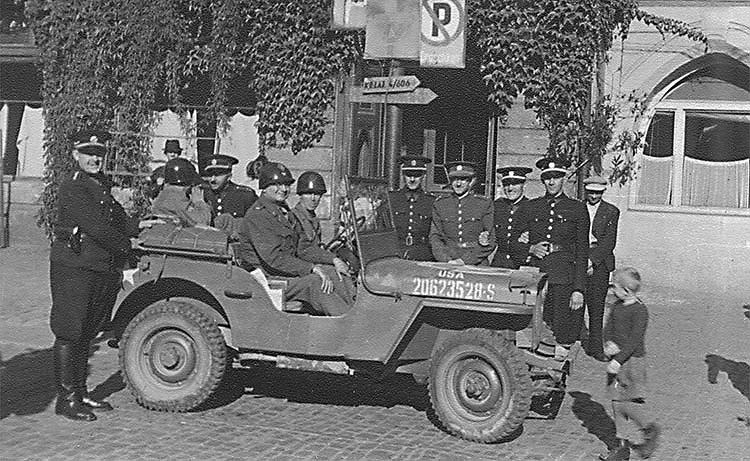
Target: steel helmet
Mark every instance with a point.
(311, 182)
(180, 172)
(274, 173)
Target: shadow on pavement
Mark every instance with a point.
(321, 388)
(737, 372)
(594, 417)
(27, 383)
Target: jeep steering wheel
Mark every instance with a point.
(341, 235)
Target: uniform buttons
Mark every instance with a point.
(508, 234)
(551, 212)
(510, 227)
(507, 256)
(510, 219)
(218, 199)
(549, 236)
(218, 207)
(552, 204)
(549, 227)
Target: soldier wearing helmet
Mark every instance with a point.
(182, 195)
(271, 235)
(310, 189)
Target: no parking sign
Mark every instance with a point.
(443, 37)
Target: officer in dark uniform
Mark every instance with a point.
(462, 230)
(172, 150)
(558, 229)
(229, 201)
(412, 210)
(91, 244)
(510, 252)
(270, 238)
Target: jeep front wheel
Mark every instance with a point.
(172, 356)
(479, 387)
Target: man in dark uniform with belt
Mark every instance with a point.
(558, 229)
(462, 230)
(412, 210)
(229, 201)
(510, 252)
(270, 236)
(602, 241)
(91, 244)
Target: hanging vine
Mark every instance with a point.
(107, 63)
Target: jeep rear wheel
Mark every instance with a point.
(172, 357)
(479, 387)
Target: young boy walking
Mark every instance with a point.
(624, 344)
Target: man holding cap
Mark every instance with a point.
(602, 241)
(558, 229)
(462, 230)
(90, 247)
(270, 237)
(229, 201)
(510, 252)
(412, 210)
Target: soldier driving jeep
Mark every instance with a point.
(270, 238)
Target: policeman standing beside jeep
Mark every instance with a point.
(510, 252)
(91, 244)
(412, 210)
(558, 229)
(462, 230)
(270, 240)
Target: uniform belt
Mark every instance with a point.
(468, 245)
(593, 244)
(555, 247)
(411, 240)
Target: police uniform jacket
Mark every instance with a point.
(456, 225)
(232, 198)
(309, 245)
(412, 216)
(510, 252)
(269, 237)
(604, 229)
(564, 222)
(85, 202)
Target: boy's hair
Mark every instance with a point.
(629, 278)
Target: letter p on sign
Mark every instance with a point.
(443, 38)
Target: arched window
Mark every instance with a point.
(697, 152)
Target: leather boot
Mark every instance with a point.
(81, 373)
(68, 402)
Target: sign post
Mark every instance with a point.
(443, 37)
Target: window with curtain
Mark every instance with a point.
(697, 147)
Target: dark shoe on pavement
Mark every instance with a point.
(616, 454)
(101, 405)
(69, 406)
(651, 440)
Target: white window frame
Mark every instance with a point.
(679, 108)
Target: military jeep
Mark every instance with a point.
(469, 333)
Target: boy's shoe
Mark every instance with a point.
(651, 440)
(616, 454)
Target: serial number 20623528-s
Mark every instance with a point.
(460, 289)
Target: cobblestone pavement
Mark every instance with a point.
(264, 413)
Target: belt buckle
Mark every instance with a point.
(409, 240)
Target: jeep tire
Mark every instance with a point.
(479, 386)
(172, 356)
